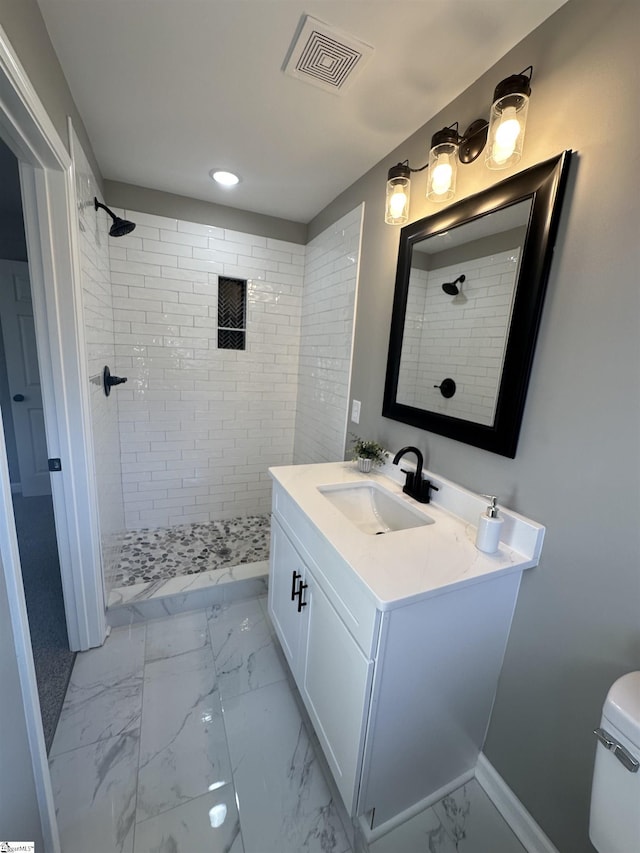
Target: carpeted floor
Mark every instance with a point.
(45, 607)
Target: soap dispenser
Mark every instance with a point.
(489, 527)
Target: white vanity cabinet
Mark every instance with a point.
(332, 672)
(399, 690)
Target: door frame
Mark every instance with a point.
(50, 216)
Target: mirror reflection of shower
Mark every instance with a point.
(451, 287)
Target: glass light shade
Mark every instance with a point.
(397, 202)
(443, 170)
(506, 131)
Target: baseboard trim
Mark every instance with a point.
(370, 835)
(523, 826)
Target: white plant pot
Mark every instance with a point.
(364, 465)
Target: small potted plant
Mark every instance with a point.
(367, 453)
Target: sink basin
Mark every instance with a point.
(373, 509)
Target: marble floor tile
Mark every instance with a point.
(284, 801)
(183, 748)
(183, 632)
(244, 648)
(104, 697)
(263, 601)
(157, 756)
(208, 824)
(474, 823)
(94, 790)
(424, 833)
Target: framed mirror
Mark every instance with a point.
(468, 299)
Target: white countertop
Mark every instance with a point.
(420, 562)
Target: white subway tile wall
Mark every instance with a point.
(410, 374)
(459, 337)
(200, 426)
(328, 305)
(99, 338)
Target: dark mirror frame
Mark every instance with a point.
(545, 184)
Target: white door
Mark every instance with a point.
(18, 331)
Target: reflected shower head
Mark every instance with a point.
(451, 287)
(120, 227)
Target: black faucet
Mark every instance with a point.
(415, 486)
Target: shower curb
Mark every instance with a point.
(156, 599)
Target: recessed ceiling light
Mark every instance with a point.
(227, 179)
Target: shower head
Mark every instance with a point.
(120, 227)
(451, 287)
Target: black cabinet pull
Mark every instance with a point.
(294, 578)
(18, 398)
(301, 603)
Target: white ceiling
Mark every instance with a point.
(169, 89)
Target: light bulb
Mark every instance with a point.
(396, 207)
(397, 202)
(508, 129)
(443, 160)
(508, 122)
(441, 177)
(507, 133)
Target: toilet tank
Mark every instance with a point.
(614, 825)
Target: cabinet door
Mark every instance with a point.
(336, 687)
(286, 573)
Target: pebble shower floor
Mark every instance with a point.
(188, 549)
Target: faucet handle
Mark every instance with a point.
(428, 487)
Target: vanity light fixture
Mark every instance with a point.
(398, 191)
(508, 120)
(443, 164)
(504, 132)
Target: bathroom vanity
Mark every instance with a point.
(394, 627)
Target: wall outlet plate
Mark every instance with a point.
(355, 411)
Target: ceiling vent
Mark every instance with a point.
(326, 57)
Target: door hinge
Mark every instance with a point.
(55, 464)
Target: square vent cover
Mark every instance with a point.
(326, 57)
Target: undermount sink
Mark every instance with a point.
(373, 509)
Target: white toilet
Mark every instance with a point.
(614, 826)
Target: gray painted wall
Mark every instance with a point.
(23, 23)
(162, 203)
(576, 628)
